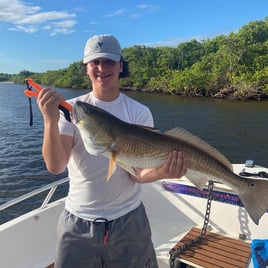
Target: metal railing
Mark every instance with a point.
(51, 187)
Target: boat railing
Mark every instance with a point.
(51, 187)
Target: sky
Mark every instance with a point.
(43, 35)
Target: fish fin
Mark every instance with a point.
(112, 165)
(197, 178)
(95, 150)
(153, 129)
(128, 168)
(186, 136)
(255, 200)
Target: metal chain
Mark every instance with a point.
(203, 231)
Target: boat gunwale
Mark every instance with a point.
(51, 187)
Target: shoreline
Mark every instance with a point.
(7, 82)
(250, 95)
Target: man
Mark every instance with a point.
(104, 223)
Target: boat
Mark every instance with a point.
(174, 208)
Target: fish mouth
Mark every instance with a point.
(74, 117)
(75, 114)
(80, 110)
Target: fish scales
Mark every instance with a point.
(139, 149)
(131, 146)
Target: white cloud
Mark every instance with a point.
(12, 10)
(63, 27)
(27, 29)
(64, 23)
(116, 13)
(135, 15)
(30, 19)
(149, 8)
(44, 17)
(142, 10)
(143, 6)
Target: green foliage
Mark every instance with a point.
(5, 77)
(235, 65)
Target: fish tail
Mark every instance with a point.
(255, 200)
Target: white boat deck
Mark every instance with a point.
(29, 241)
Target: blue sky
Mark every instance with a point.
(42, 35)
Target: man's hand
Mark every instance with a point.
(174, 168)
(48, 102)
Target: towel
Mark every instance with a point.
(259, 251)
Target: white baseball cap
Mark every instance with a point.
(102, 46)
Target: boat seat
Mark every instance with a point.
(214, 250)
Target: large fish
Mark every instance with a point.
(132, 146)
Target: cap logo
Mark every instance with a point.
(100, 44)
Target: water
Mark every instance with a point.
(237, 129)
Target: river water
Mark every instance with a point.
(237, 129)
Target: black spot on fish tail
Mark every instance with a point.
(255, 200)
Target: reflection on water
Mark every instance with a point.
(237, 129)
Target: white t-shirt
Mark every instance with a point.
(90, 195)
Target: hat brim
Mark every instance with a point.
(110, 56)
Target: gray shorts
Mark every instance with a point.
(121, 243)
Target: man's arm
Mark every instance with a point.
(56, 148)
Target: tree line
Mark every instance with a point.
(227, 66)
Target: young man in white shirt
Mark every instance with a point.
(103, 224)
